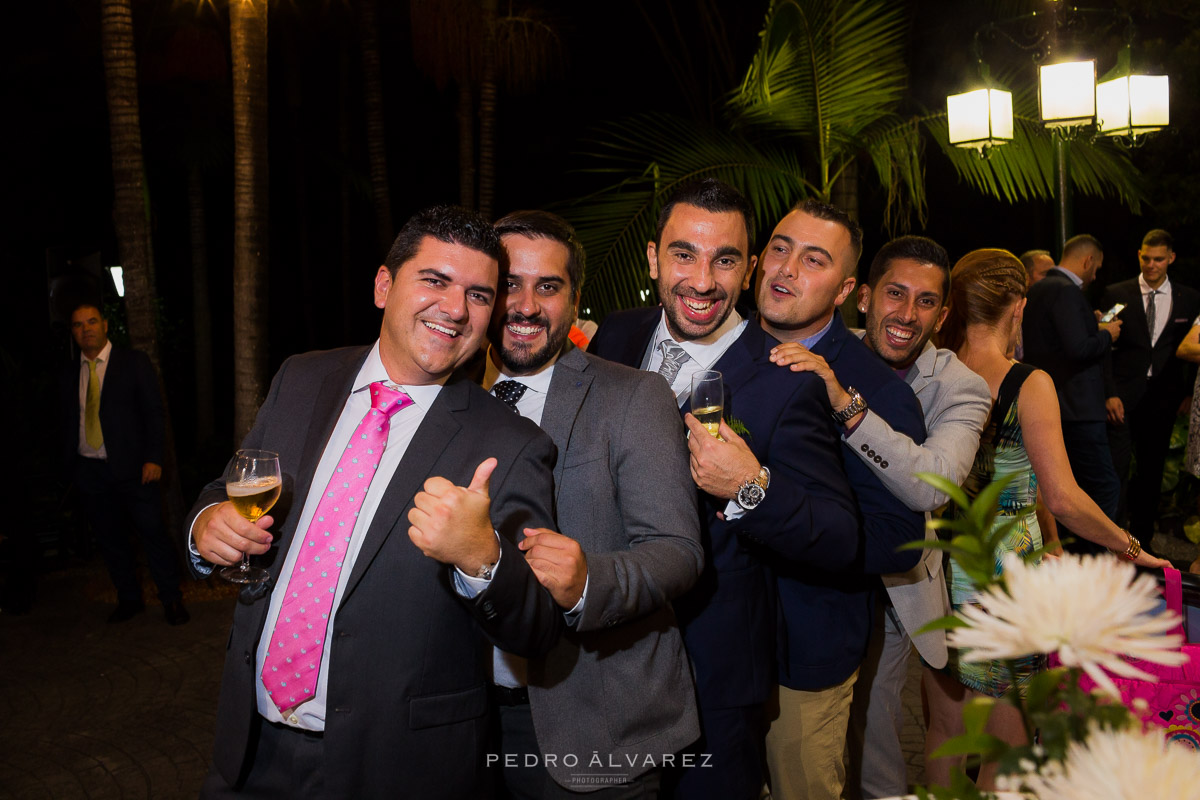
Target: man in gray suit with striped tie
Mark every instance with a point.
(613, 702)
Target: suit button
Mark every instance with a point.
(343, 634)
(249, 658)
(488, 607)
(878, 459)
(864, 448)
(883, 464)
(870, 453)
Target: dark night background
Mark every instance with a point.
(58, 176)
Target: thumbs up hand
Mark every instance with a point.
(451, 523)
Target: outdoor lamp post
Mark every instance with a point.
(980, 119)
(1132, 104)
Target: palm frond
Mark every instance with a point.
(897, 152)
(826, 69)
(647, 158)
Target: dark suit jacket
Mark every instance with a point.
(618, 683)
(807, 516)
(407, 692)
(131, 414)
(1132, 354)
(825, 616)
(1060, 335)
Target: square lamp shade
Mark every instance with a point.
(981, 118)
(1132, 104)
(1067, 93)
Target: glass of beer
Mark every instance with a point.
(708, 399)
(252, 484)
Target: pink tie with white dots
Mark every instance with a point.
(293, 659)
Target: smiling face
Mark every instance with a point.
(903, 310)
(805, 275)
(435, 310)
(535, 310)
(1154, 261)
(700, 269)
(90, 330)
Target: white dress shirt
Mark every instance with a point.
(1162, 306)
(85, 449)
(701, 355)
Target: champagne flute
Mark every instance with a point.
(708, 399)
(253, 484)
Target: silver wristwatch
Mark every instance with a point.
(754, 491)
(857, 405)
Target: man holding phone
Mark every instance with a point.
(1143, 383)
(1062, 336)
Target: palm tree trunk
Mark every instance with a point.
(376, 141)
(248, 35)
(466, 145)
(201, 309)
(487, 112)
(129, 212)
(350, 288)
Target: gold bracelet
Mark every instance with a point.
(1134, 550)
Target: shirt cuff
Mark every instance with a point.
(199, 562)
(734, 511)
(573, 615)
(469, 586)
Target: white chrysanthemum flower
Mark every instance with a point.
(1091, 610)
(1117, 765)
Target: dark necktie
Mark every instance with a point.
(510, 392)
(1152, 313)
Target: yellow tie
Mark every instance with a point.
(91, 411)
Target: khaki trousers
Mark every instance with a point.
(806, 742)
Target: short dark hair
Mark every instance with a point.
(536, 224)
(711, 195)
(830, 213)
(450, 224)
(921, 249)
(1159, 238)
(1076, 245)
(86, 303)
(1029, 255)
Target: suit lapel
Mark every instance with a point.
(922, 368)
(431, 439)
(569, 387)
(739, 363)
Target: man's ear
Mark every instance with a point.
(847, 288)
(383, 283)
(750, 273)
(864, 298)
(652, 259)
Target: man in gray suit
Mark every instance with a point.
(617, 687)
(904, 301)
(393, 701)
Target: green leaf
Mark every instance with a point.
(985, 745)
(946, 487)
(942, 624)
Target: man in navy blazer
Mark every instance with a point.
(1144, 383)
(1061, 336)
(782, 486)
(825, 620)
(115, 459)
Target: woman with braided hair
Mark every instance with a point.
(1023, 437)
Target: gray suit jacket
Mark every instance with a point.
(407, 689)
(619, 683)
(956, 404)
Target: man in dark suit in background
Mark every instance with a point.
(388, 688)
(1061, 336)
(1144, 383)
(777, 485)
(112, 447)
(618, 682)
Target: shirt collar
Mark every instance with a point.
(1165, 288)
(810, 341)
(101, 356)
(705, 354)
(1075, 279)
(373, 370)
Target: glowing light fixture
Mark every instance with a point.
(979, 119)
(118, 277)
(1133, 104)
(1067, 93)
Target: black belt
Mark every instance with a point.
(307, 734)
(510, 696)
